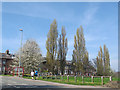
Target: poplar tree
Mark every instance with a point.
(74, 63)
(79, 50)
(98, 66)
(62, 50)
(86, 64)
(100, 62)
(106, 61)
(103, 62)
(51, 46)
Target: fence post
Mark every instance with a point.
(92, 78)
(62, 77)
(102, 80)
(110, 78)
(68, 78)
(52, 77)
(82, 79)
(55, 77)
(75, 79)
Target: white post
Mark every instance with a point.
(62, 77)
(102, 80)
(82, 79)
(75, 79)
(68, 78)
(110, 78)
(55, 77)
(92, 78)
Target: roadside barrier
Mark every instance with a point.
(81, 79)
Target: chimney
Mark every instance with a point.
(7, 51)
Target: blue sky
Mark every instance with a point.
(99, 21)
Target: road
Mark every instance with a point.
(17, 82)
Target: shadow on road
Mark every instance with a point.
(46, 87)
(29, 86)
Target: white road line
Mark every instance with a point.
(14, 82)
(23, 84)
(9, 84)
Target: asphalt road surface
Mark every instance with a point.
(9, 82)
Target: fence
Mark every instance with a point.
(82, 79)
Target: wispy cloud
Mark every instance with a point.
(38, 10)
(47, 12)
(89, 15)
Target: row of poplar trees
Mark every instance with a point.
(103, 62)
(80, 54)
(57, 48)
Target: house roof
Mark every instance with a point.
(5, 56)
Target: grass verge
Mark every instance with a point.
(87, 80)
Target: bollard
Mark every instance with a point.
(92, 78)
(102, 80)
(68, 78)
(82, 79)
(75, 79)
(110, 78)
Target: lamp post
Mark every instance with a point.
(20, 50)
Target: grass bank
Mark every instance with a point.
(87, 80)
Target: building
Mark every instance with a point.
(90, 70)
(68, 68)
(5, 61)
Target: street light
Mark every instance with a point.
(20, 50)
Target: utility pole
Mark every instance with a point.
(20, 50)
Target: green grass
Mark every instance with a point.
(5, 75)
(27, 77)
(87, 80)
(71, 81)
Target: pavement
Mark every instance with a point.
(10, 82)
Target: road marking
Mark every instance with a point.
(14, 82)
(23, 84)
(9, 84)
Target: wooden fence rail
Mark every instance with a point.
(83, 81)
(92, 78)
